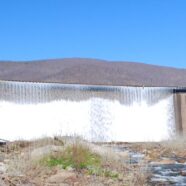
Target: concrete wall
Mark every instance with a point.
(180, 112)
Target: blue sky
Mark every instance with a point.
(149, 31)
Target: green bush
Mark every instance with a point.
(79, 157)
(76, 156)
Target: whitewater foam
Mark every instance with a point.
(95, 119)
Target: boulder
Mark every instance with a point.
(63, 176)
(183, 173)
(164, 162)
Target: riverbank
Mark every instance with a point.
(67, 161)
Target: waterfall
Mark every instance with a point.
(97, 113)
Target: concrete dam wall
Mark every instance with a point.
(96, 113)
(180, 112)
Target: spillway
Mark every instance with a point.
(96, 113)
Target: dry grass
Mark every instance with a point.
(177, 144)
(81, 156)
(137, 176)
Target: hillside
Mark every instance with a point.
(91, 71)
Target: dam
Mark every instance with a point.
(97, 113)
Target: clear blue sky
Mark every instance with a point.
(149, 31)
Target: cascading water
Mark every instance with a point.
(97, 113)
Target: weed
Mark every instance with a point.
(76, 156)
(79, 157)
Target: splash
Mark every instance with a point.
(29, 111)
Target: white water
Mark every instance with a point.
(95, 119)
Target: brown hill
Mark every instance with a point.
(91, 71)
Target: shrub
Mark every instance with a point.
(76, 156)
(79, 156)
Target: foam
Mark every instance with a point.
(95, 119)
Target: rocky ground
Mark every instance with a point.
(138, 164)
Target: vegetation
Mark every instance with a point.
(76, 156)
(41, 160)
(79, 157)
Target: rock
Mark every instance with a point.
(27, 184)
(6, 161)
(39, 153)
(61, 184)
(164, 162)
(110, 181)
(77, 184)
(120, 177)
(2, 168)
(88, 176)
(124, 155)
(1, 158)
(96, 184)
(63, 177)
(181, 160)
(148, 158)
(183, 173)
(69, 168)
(2, 183)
